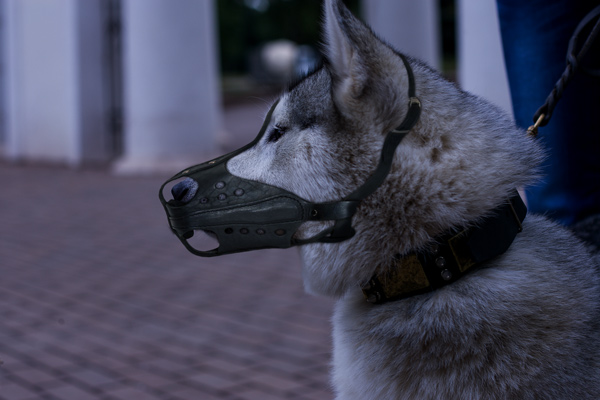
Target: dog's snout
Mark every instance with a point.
(185, 190)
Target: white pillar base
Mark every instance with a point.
(172, 99)
(481, 68)
(54, 82)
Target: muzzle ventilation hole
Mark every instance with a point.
(204, 241)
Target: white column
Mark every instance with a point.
(172, 101)
(54, 109)
(3, 90)
(410, 26)
(481, 67)
(96, 143)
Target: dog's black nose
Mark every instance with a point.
(185, 190)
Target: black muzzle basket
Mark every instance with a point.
(247, 215)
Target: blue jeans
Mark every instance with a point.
(535, 36)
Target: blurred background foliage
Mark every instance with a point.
(246, 26)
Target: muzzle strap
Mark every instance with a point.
(390, 145)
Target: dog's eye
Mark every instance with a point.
(275, 134)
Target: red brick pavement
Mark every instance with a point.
(98, 300)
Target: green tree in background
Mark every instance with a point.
(246, 24)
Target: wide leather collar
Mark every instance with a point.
(450, 257)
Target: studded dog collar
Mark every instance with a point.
(452, 256)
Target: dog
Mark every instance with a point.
(521, 322)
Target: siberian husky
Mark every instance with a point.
(519, 323)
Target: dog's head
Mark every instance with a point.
(325, 136)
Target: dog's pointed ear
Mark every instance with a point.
(348, 44)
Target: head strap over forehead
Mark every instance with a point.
(247, 215)
(392, 141)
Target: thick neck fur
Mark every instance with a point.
(521, 328)
(461, 160)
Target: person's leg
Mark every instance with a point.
(535, 36)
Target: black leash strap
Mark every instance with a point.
(544, 113)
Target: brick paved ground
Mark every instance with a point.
(98, 300)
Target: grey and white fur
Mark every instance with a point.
(523, 326)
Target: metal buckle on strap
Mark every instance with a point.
(414, 100)
(514, 213)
